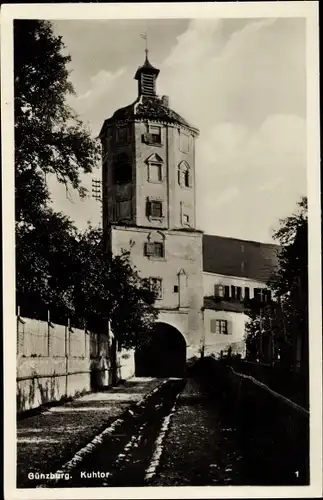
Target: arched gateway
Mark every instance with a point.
(164, 355)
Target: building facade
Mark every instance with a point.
(149, 209)
(234, 272)
(149, 204)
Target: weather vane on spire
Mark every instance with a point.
(145, 37)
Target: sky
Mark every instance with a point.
(242, 82)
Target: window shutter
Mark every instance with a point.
(218, 290)
(149, 249)
(229, 327)
(213, 325)
(148, 208)
(227, 291)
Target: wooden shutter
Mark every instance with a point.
(149, 249)
(218, 290)
(213, 325)
(229, 327)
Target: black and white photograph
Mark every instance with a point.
(162, 250)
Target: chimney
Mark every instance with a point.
(165, 100)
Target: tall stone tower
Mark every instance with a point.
(149, 205)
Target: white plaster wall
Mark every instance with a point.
(214, 343)
(182, 251)
(210, 279)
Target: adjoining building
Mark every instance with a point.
(149, 209)
(234, 272)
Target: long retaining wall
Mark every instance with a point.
(55, 363)
(273, 428)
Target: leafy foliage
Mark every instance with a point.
(57, 266)
(49, 138)
(107, 288)
(286, 318)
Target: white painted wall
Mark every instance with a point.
(210, 279)
(214, 343)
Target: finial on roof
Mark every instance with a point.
(145, 37)
(146, 74)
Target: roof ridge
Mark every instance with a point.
(240, 239)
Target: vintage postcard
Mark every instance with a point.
(162, 250)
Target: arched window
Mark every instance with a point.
(122, 170)
(184, 175)
(155, 245)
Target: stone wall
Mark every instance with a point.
(272, 428)
(55, 362)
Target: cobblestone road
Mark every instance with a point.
(183, 437)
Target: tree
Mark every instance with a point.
(49, 137)
(44, 265)
(59, 267)
(286, 320)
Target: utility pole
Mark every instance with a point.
(97, 195)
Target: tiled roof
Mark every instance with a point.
(223, 305)
(148, 108)
(233, 257)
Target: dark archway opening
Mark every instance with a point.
(164, 355)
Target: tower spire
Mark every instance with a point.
(146, 74)
(145, 37)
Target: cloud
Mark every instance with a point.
(243, 84)
(258, 70)
(102, 83)
(246, 93)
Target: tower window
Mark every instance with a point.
(122, 135)
(186, 219)
(122, 171)
(156, 286)
(155, 133)
(155, 209)
(155, 172)
(184, 142)
(123, 209)
(184, 175)
(155, 249)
